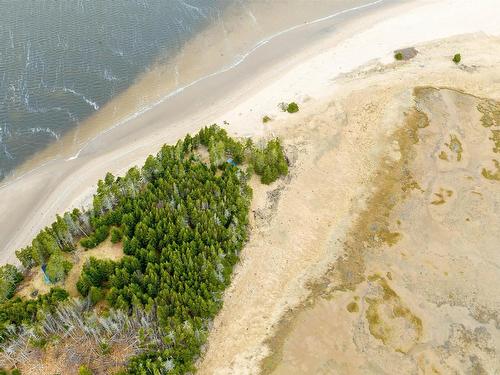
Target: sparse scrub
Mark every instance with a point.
(398, 56)
(266, 119)
(457, 58)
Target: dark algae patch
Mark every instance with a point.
(490, 174)
(389, 320)
(455, 146)
(490, 118)
(394, 182)
(490, 111)
(441, 196)
(352, 307)
(495, 138)
(443, 156)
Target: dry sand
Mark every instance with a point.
(298, 65)
(67, 177)
(379, 254)
(350, 267)
(34, 283)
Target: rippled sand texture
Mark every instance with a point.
(379, 255)
(211, 39)
(62, 61)
(66, 172)
(416, 289)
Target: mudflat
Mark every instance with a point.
(379, 254)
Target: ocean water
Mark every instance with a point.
(63, 60)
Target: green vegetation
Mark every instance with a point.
(270, 162)
(266, 119)
(10, 277)
(398, 56)
(289, 107)
(15, 312)
(13, 372)
(457, 58)
(61, 236)
(57, 267)
(182, 222)
(292, 107)
(84, 370)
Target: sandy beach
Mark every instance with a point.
(64, 175)
(371, 150)
(347, 272)
(315, 54)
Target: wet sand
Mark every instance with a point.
(350, 267)
(376, 255)
(65, 174)
(412, 284)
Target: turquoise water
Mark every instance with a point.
(62, 60)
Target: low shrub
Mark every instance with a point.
(457, 58)
(292, 107)
(84, 370)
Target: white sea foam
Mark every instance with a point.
(195, 8)
(44, 130)
(7, 153)
(88, 101)
(108, 76)
(237, 62)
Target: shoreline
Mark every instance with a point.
(353, 264)
(65, 148)
(128, 138)
(34, 199)
(342, 135)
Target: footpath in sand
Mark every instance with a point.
(379, 253)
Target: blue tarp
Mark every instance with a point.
(45, 277)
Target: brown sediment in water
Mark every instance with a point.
(215, 49)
